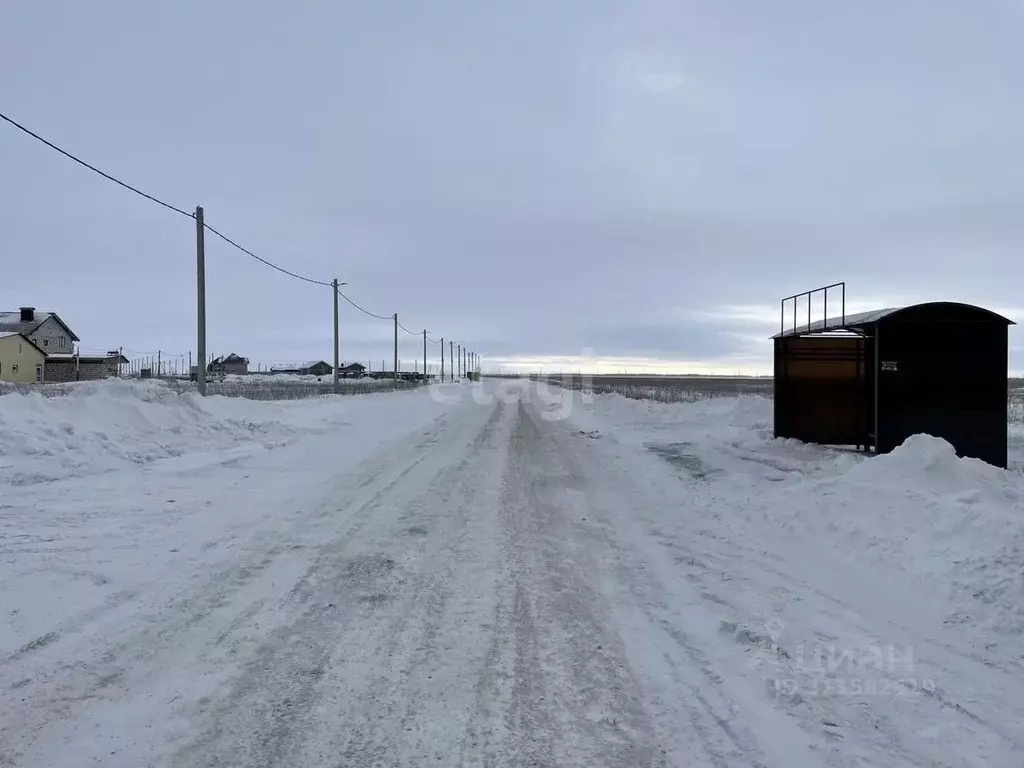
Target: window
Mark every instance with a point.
(62, 341)
(46, 342)
(39, 374)
(14, 369)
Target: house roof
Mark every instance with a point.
(5, 334)
(12, 322)
(232, 358)
(865, 320)
(352, 367)
(313, 363)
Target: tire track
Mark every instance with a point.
(336, 683)
(60, 692)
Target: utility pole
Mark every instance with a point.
(201, 300)
(158, 357)
(441, 380)
(451, 359)
(459, 350)
(334, 284)
(424, 355)
(396, 346)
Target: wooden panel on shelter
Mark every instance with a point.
(820, 389)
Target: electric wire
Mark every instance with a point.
(206, 226)
(93, 168)
(365, 311)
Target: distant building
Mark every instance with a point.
(226, 364)
(316, 368)
(21, 360)
(50, 337)
(311, 368)
(351, 370)
(44, 329)
(72, 367)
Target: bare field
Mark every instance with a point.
(666, 389)
(688, 389)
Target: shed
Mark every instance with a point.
(316, 368)
(873, 379)
(351, 370)
(229, 364)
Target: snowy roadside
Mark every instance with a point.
(503, 580)
(110, 425)
(955, 527)
(122, 491)
(153, 611)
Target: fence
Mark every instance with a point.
(251, 390)
(268, 390)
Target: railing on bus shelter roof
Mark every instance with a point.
(824, 320)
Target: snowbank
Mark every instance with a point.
(954, 524)
(955, 521)
(101, 426)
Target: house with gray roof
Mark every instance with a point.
(229, 364)
(44, 329)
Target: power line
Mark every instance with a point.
(93, 168)
(433, 340)
(270, 264)
(156, 200)
(364, 311)
(219, 234)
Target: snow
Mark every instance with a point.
(108, 425)
(918, 554)
(495, 574)
(955, 524)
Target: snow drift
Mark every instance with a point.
(955, 521)
(954, 524)
(101, 426)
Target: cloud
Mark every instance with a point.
(531, 179)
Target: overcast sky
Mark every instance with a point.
(637, 182)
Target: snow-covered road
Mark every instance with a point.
(465, 579)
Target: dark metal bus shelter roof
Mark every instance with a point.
(864, 323)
